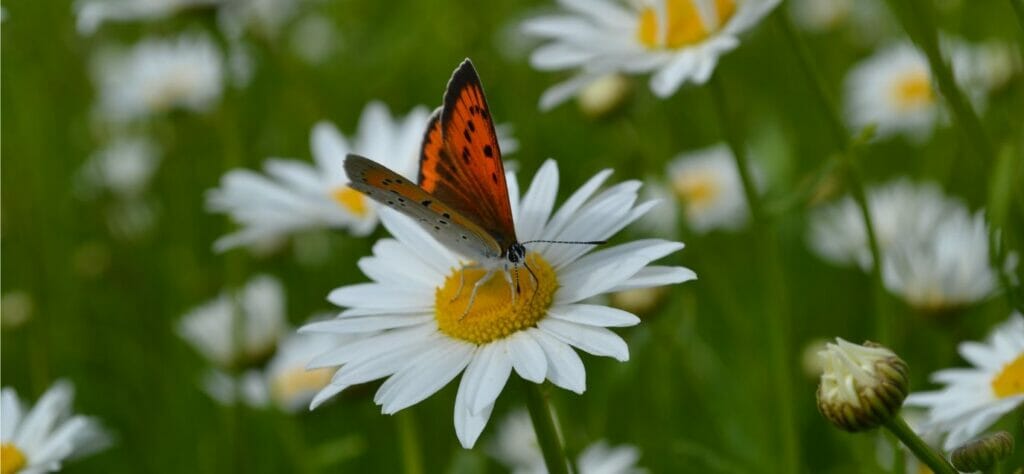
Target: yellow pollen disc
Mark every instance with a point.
(684, 23)
(913, 90)
(1010, 381)
(493, 314)
(697, 190)
(298, 380)
(353, 201)
(11, 459)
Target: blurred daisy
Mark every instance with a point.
(894, 90)
(900, 210)
(49, 434)
(663, 219)
(820, 15)
(516, 447)
(604, 95)
(708, 185)
(124, 167)
(158, 75)
(948, 267)
(314, 39)
(263, 17)
(679, 41)
(91, 14)
(211, 327)
(296, 195)
(975, 398)
(426, 339)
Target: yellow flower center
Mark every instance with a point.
(913, 90)
(296, 381)
(697, 190)
(1010, 381)
(353, 201)
(11, 459)
(494, 314)
(684, 24)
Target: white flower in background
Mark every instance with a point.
(663, 220)
(263, 17)
(296, 195)
(900, 210)
(516, 447)
(893, 89)
(948, 267)
(158, 75)
(48, 434)
(211, 328)
(92, 14)
(131, 219)
(975, 398)
(820, 15)
(249, 387)
(678, 41)
(16, 308)
(291, 385)
(314, 39)
(709, 186)
(124, 167)
(411, 326)
(604, 95)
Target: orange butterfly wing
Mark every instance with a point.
(460, 161)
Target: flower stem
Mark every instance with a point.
(412, 454)
(921, 450)
(1018, 9)
(775, 297)
(918, 19)
(847, 151)
(544, 426)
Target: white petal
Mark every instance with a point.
(468, 426)
(494, 372)
(667, 80)
(413, 236)
(329, 147)
(376, 295)
(565, 369)
(595, 340)
(431, 371)
(538, 202)
(564, 91)
(379, 343)
(593, 315)
(10, 408)
(656, 275)
(527, 357)
(54, 404)
(368, 323)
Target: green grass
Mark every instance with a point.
(696, 395)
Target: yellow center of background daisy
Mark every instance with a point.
(493, 314)
(1010, 381)
(684, 23)
(11, 459)
(298, 380)
(352, 200)
(913, 90)
(697, 190)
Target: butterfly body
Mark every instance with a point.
(461, 197)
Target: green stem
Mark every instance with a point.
(412, 453)
(1018, 10)
(853, 173)
(921, 450)
(775, 298)
(918, 19)
(544, 426)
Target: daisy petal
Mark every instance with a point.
(527, 357)
(565, 369)
(593, 315)
(595, 340)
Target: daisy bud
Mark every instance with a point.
(862, 386)
(604, 95)
(983, 453)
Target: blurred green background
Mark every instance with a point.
(696, 395)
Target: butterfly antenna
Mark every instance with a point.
(573, 242)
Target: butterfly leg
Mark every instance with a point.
(513, 287)
(462, 281)
(472, 296)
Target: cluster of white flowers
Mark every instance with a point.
(935, 252)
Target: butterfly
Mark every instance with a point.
(462, 197)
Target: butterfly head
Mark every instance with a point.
(516, 253)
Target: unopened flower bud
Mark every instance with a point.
(862, 386)
(983, 453)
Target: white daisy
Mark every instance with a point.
(820, 15)
(49, 434)
(679, 41)
(426, 337)
(709, 186)
(900, 210)
(948, 268)
(975, 398)
(91, 14)
(516, 447)
(263, 17)
(290, 385)
(158, 75)
(296, 195)
(893, 89)
(125, 167)
(211, 328)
